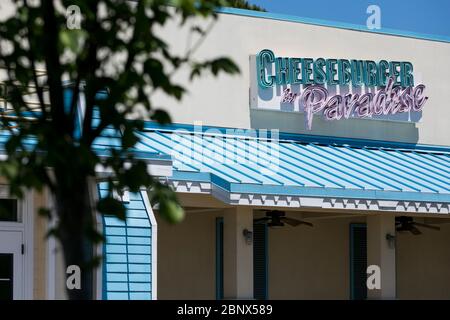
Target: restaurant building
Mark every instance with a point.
(325, 162)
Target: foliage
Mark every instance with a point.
(243, 4)
(118, 49)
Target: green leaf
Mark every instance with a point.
(215, 66)
(61, 158)
(129, 138)
(174, 90)
(111, 206)
(53, 232)
(198, 29)
(44, 212)
(171, 211)
(161, 116)
(94, 262)
(72, 39)
(135, 176)
(9, 169)
(224, 64)
(243, 4)
(94, 235)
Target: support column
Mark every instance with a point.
(238, 254)
(382, 254)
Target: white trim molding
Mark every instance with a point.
(25, 225)
(189, 186)
(157, 168)
(285, 201)
(98, 248)
(28, 220)
(51, 250)
(154, 255)
(333, 203)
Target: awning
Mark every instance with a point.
(246, 167)
(293, 170)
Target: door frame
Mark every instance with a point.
(26, 227)
(11, 243)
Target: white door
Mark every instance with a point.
(11, 265)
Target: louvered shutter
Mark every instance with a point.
(219, 258)
(260, 262)
(358, 261)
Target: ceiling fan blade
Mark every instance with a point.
(309, 224)
(261, 220)
(414, 230)
(427, 226)
(295, 222)
(403, 220)
(291, 221)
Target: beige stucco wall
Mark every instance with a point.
(310, 263)
(224, 101)
(423, 264)
(41, 256)
(186, 257)
(304, 263)
(313, 263)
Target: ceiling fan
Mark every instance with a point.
(404, 223)
(275, 218)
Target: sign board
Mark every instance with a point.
(336, 88)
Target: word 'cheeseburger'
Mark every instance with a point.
(331, 71)
(396, 93)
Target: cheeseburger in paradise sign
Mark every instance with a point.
(337, 88)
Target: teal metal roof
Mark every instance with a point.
(102, 146)
(303, 165)
(291, 164)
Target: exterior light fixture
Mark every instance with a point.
(248, 236)
(391, 240)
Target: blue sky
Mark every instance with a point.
(418, 16)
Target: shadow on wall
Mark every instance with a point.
(186, 258)
(294, 122)
(423, 264)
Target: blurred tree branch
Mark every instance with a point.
(48, 147)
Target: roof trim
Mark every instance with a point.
(297, 137)
(247, 188)
(332, 24)
(306, 201)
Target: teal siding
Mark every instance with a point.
(127, 263)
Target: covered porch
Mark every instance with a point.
(365, 200)
(326, 261)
